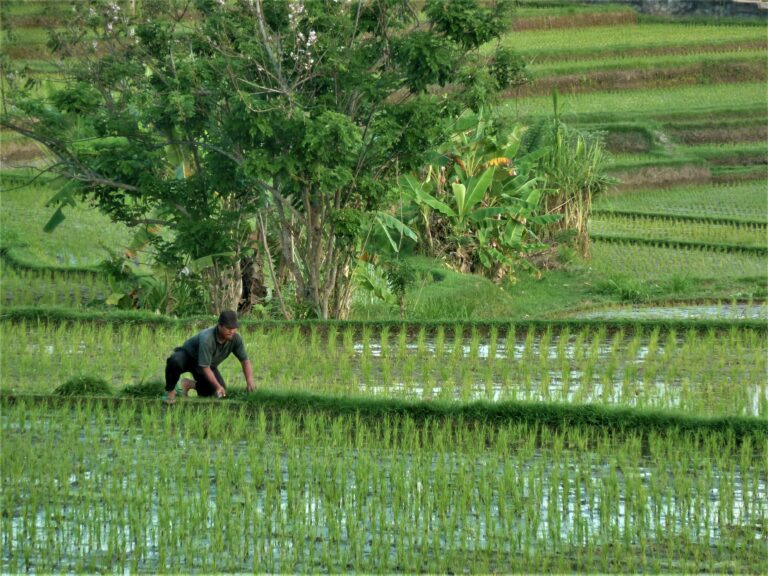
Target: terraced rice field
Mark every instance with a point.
(609, 444)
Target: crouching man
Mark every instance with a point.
(201, 354)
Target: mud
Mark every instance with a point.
(662, 177)
(720, 135)
(613, 80)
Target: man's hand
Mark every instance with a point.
(221, 392)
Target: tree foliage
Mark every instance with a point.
(261, 134)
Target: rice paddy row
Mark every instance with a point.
(609, 41)
(741, 201)
(51, 287)
(166, 491)
(672, 230)
(689, 100)
(650, 262)
(696, 372)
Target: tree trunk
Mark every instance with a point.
(254, 286)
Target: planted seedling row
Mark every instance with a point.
(698, 372)
(156, 490)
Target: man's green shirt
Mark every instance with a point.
(204, 348)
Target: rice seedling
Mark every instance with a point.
(646, 367)
(548, 66)
(709, 98)
(672, 229)
(320, 493)
(84, 386)
(744, 201)
(604, 40)
(641, 261)
(51, 287)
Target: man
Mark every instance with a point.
(201, 355)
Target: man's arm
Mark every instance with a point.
(214, 382)
(248, 373)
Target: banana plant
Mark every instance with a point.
(489, 206)
(466, 197)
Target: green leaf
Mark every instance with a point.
(114, 299)
(533, 198)
(65, 196)
(389, 221)
(200, 264)
(486, 213)
(432, 202)
(56, 219)
(513, 233)
(545, 219)
(459, 196)
(477, 188)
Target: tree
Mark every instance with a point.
(249, 126)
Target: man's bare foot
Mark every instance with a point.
(186, 386)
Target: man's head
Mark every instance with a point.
(228, 324)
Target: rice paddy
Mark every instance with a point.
(487, 469)
(642, 261)
(280, 494)
(52, 287)
(697, 372)
(669, 228)
(746, 201)
(692, 100)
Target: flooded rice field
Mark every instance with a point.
(706, 372)
(149, 492)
